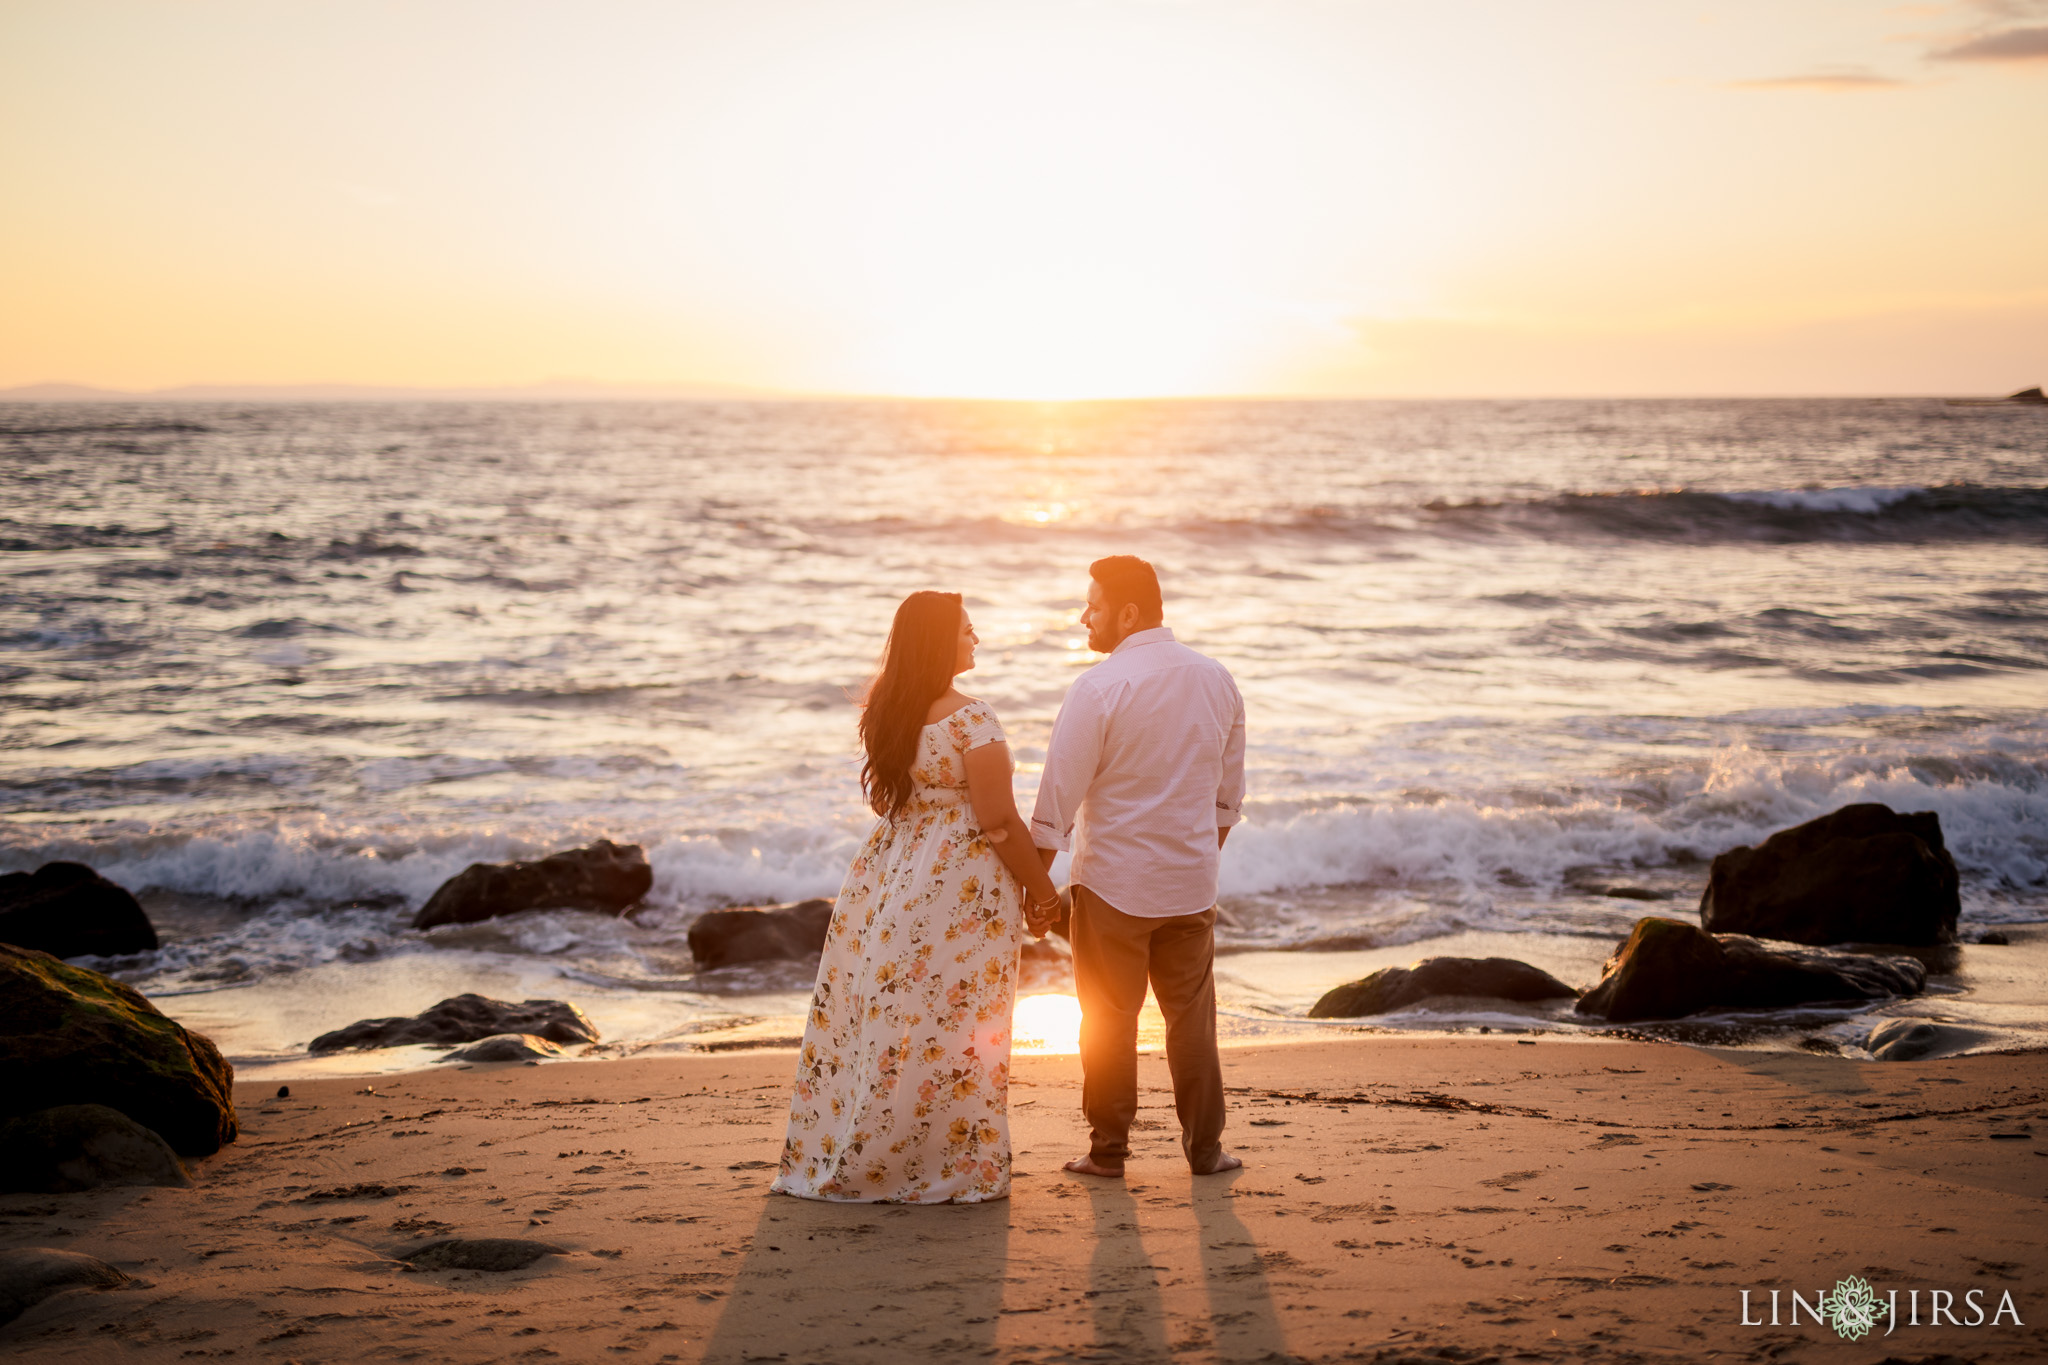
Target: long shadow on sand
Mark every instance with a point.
(1241, 1314)
(826, 1282)
(1126, 1312)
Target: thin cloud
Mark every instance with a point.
(2008, 45)
(2011, 9)
(1824, 80)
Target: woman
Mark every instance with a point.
(902, 1088)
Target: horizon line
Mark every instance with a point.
(599, 391)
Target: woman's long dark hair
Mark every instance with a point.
(917, 668)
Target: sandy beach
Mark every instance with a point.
(555, 559)
(1403, 1199)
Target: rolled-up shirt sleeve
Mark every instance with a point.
(1230, 790)
(1071, 757)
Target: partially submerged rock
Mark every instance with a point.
(506, 1047)
(1393, 988)
(464, 1019)
(480, 1253)
(1862, 874)
(606, 877)
(724, 938)
(81, 1147)
(1910, 1040)
(28, 1275)
(73, 1036)
(69, 910)
(1668, 969)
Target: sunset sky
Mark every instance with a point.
(1050, 199)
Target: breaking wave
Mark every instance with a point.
(1948, 512)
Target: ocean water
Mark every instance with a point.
(1514, 670)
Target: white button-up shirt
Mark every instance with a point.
(1145, 764)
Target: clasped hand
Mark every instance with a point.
(1039, 916)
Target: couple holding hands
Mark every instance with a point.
(902, 1085)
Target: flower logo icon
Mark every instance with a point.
(1852, 1308)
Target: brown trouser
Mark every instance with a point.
(1114, 956)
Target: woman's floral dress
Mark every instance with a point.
(902, 1088)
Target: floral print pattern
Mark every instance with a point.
(902, 1087)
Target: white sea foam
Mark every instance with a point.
(270, 863)
(780, 863)
(1463, 855)
(1489, 678)
(1996, 827)
(1996, 830)
(1866, 501)
(1461, 843)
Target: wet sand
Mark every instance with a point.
(1404, 1199)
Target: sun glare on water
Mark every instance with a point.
(1047, 1025)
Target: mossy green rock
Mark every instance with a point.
(73, 1036)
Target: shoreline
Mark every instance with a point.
(2000, 992)
(1547, 1199)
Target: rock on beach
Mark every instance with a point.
(464, 1019)
(1913, 1040)
(28, 1275)
(480, 1253)
(1668, 969)
(725, 938)
(82, 1147)
(605, 877)
(1861, 874)
(69, 1036)
(69, 910)
(506, 1047)
(1393, 988)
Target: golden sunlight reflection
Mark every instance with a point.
(1043, 515)
(1046, 1025)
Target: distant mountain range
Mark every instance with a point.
(547, 391)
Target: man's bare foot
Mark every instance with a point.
(1083, 1165)
(1225, 1162)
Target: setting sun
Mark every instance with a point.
(741, 554)
(1057, 201)
(1047, 1025)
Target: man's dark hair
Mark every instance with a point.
(1127, 578)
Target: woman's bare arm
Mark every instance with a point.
(995, 811)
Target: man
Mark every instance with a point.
(1144, 776)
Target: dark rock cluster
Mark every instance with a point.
(464, 1019)
(1864, 875)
